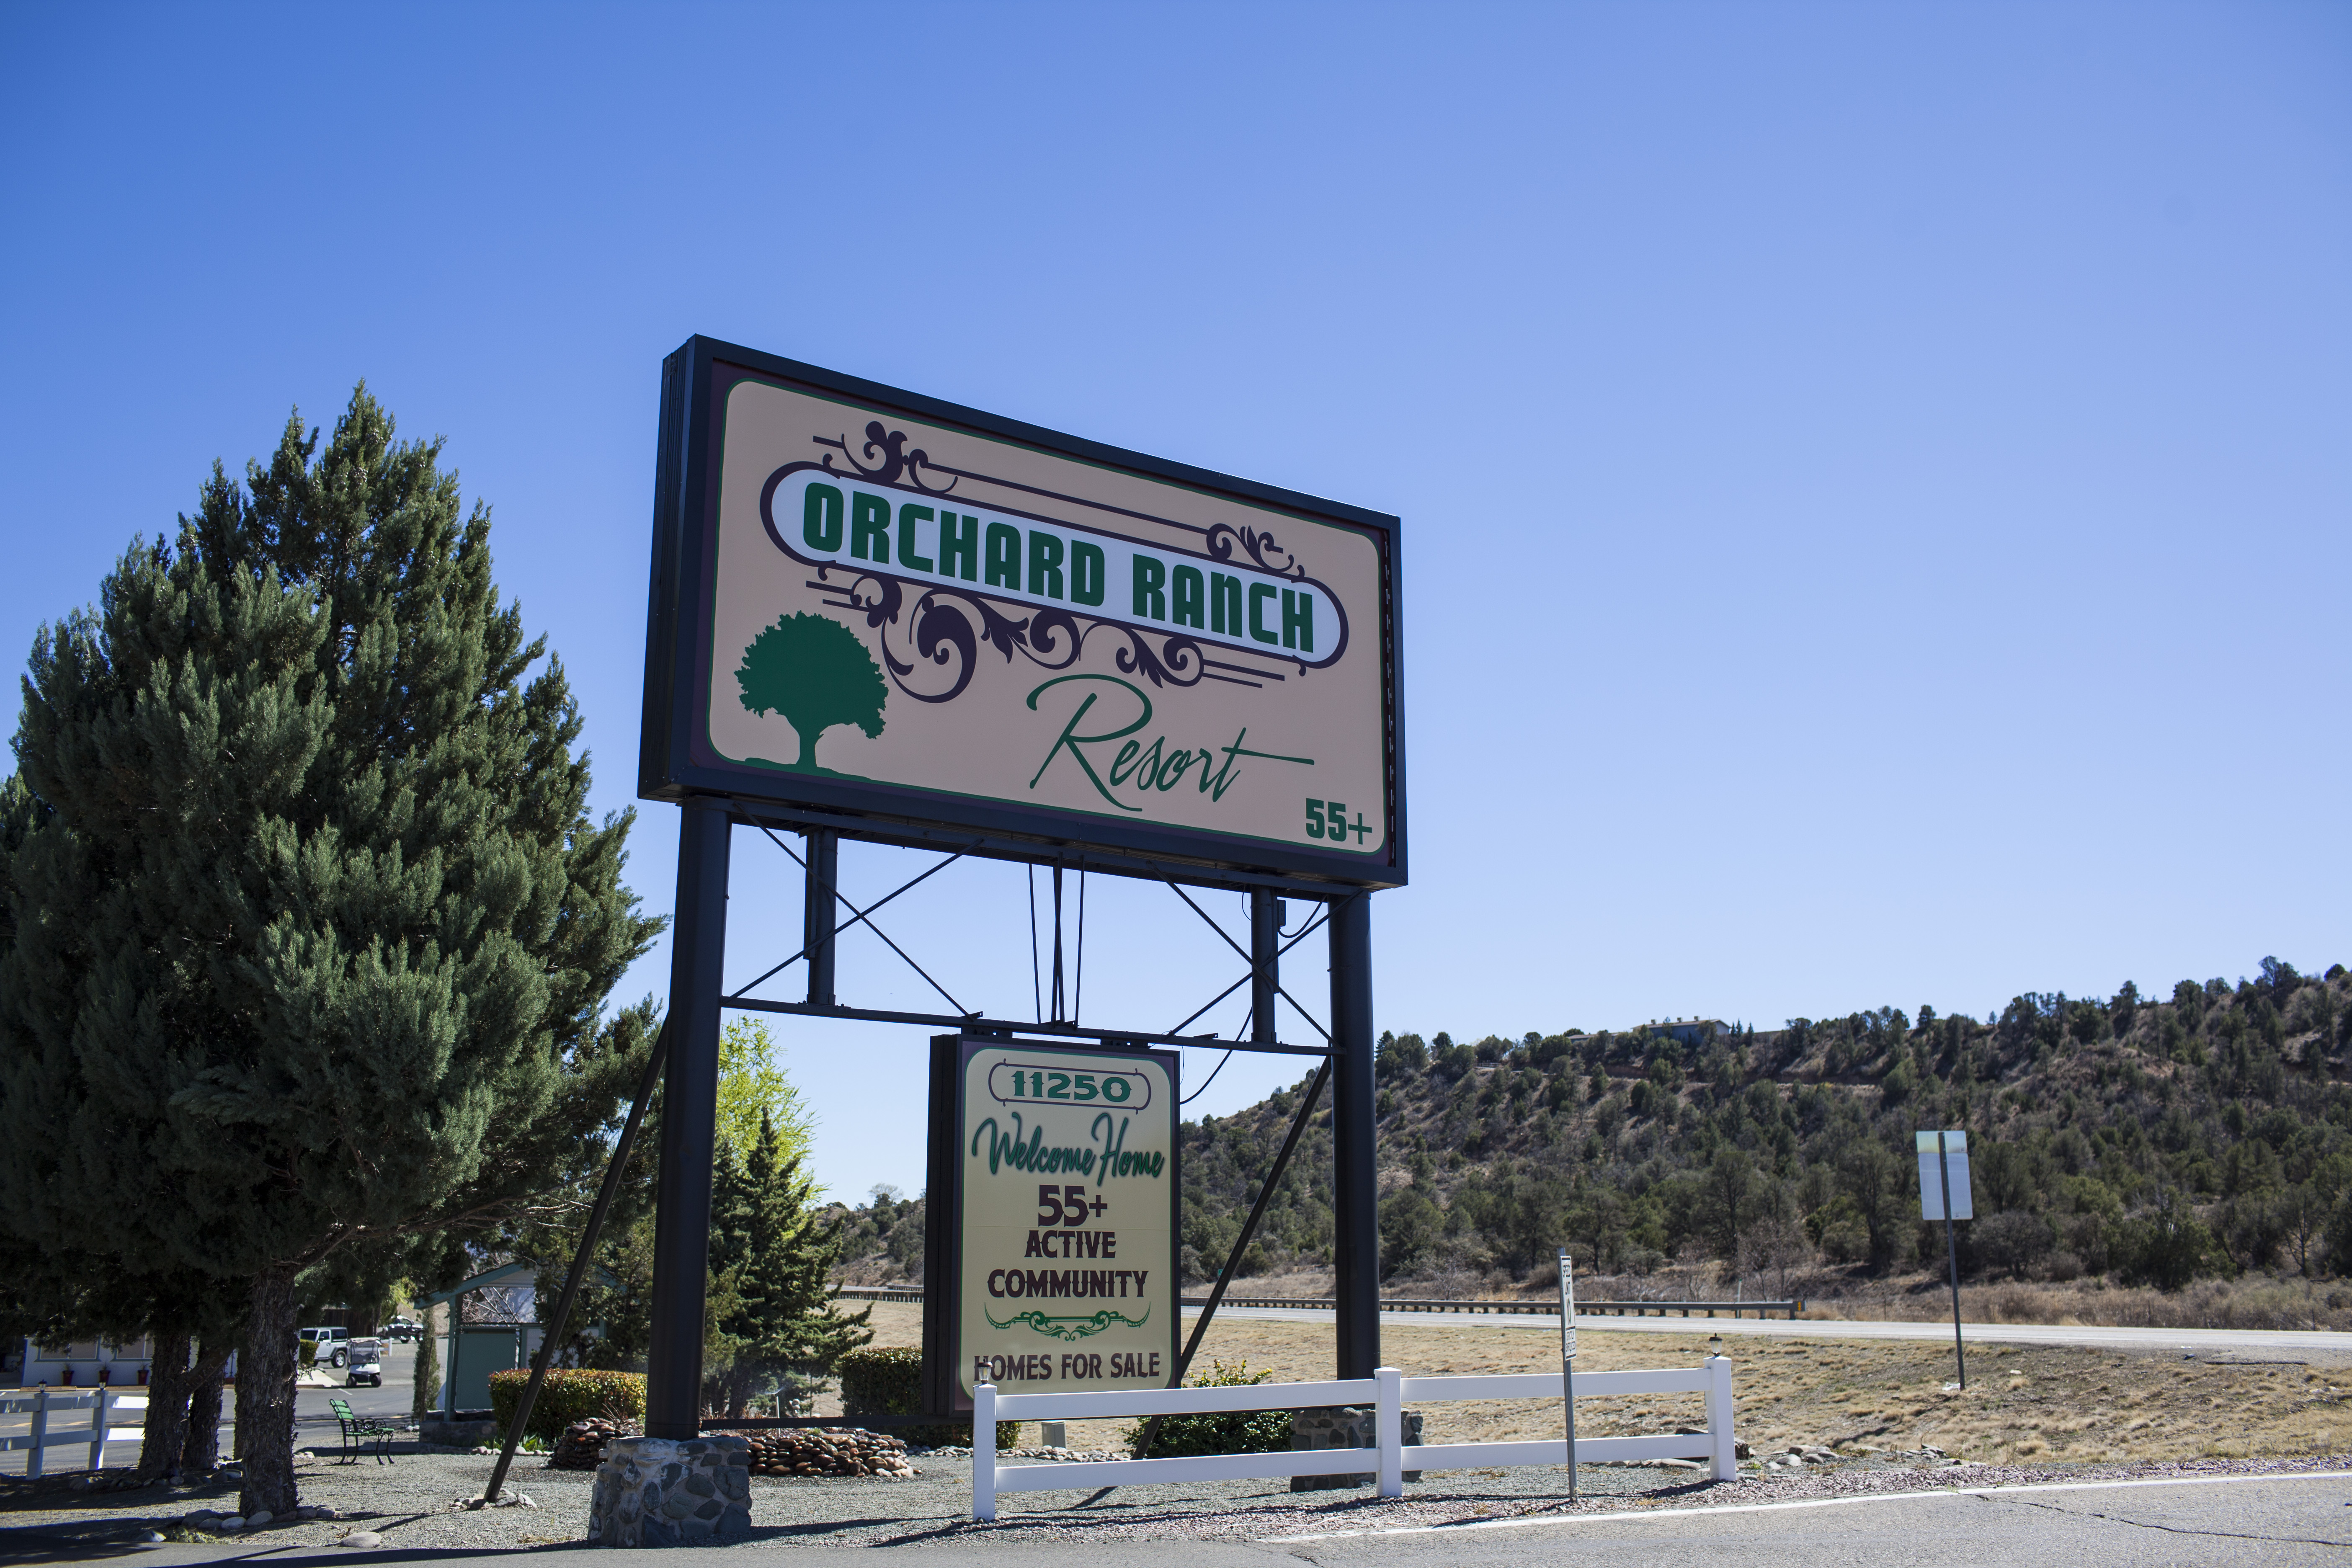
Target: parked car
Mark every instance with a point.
(404, 1330)
(332, 1345)
(366, 1364)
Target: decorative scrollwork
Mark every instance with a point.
(1178, 662)
(1072, 1327)
(1259, 544)
(896, 463)
(946, 627)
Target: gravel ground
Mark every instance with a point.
(409, 1504)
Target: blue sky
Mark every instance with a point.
(1875, 479)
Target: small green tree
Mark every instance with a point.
(774, 1315)
(427, 1391)
(616, 1297)
(752, 1085)
(815, 671)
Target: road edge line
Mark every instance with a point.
(1654, 1513)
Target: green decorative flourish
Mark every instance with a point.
(1071, 1328)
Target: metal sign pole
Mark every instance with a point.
(688, 1126)
(1951, 1255)
(1567, 1359)
(1355, 1252)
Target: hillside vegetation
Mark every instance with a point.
(2135, 1140)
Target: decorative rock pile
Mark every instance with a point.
(1799, 1456)
(583, 1443)
(212, 1522)
(828, 1451)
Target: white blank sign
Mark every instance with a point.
(1931, 1180)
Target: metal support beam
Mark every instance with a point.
(1265, 962)
(817, 918)
(688, 1124)
(1355, 1252)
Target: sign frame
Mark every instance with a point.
(943, 1228)
(680, 668)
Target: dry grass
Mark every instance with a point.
(2021, 1403)
(2255, 1301)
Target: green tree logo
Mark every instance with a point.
(815, 671)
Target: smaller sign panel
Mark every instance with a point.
(1566, 1307)
(1065, 1219)
(1934, 1170)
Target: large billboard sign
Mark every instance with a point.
(1051, 1253)
(872, 603)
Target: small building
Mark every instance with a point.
(82, 1364)
(471, 1351)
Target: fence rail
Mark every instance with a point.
(42, 1403)
(1386, 1391)
(1541, 1309)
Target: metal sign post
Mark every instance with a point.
(1943, 1157)
(1567, 1359)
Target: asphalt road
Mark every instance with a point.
(2197, 1340)
(2241, 1520)
(314, 1421)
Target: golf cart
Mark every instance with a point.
(366, 1364)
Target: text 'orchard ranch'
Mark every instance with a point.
(812, 517)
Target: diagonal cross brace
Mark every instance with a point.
(1246, 957)
(865, 917)
(1312, 926)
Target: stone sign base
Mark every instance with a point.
(1344, 1426)
(671, 1491)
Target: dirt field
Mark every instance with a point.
(2021, 1404)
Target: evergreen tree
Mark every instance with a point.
(426, 1396)
(308, 935)
(774, 1317)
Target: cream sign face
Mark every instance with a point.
(1066, 1201)
(926, 616)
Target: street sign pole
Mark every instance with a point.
(1951, 1255)
(1568, 1361)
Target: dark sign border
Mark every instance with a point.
(678, 662)
(943, 1221)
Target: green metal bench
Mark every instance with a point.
(360, 1431)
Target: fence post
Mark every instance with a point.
(1389, 1428)
(97, 1428)
(1719, 1417)
(40, 1431)
(984, 1451)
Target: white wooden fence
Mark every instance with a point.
(1388, 1391)
(102, 1403)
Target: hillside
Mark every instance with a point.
(2142, 1141)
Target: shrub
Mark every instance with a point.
(888, 1380)
(570, 1395)
(1235, 1432)
(2012, 1241)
